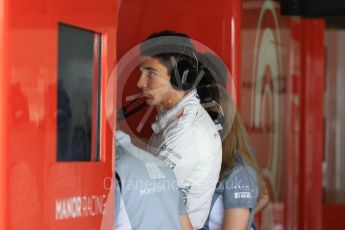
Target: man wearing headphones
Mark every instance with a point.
(184, 137)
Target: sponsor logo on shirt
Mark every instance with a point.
(237, 184)
(170, 163)
(243, 187)
(163, 147)
(170, 152)
(147, 188)
(154, 171)
(151, 190)
(243, 195)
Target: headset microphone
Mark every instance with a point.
(124, 113)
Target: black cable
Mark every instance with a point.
(123, 112)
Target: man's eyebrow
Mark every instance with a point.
(148, 68)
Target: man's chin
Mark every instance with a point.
(149, 101)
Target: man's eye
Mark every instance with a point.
(150, 73)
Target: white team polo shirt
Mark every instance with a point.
(186, 139)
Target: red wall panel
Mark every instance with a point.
(281, 104)
(32, 181)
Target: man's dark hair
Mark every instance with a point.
(172, 44)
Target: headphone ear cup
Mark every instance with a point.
(187, 75)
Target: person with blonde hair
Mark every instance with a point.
(240, 185)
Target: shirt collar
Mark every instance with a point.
(165, 118)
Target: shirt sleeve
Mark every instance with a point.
(182, 207)
(240, 189)
(191, 157)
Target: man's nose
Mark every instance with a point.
(142, 83)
